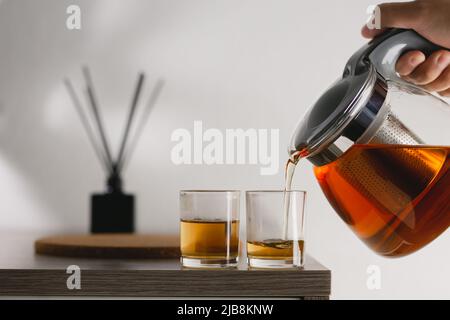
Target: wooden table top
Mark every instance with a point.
(24, 273)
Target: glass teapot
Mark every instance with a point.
(380, 149)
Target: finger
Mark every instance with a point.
(445, 93)
(442, 83)
(399, 15)
(370, 33)
(430, 70)
(394, 15)
(408, 62)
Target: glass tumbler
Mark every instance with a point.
(275, 228)
(209, 228)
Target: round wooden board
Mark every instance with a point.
(116, 246)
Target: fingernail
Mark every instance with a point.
(414, 61)
(443, 60)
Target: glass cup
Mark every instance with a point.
(209, 230)
(275, 228)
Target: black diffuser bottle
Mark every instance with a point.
(112, 211)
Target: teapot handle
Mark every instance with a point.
(384, 50)
(389, 46)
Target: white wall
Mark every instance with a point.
(232, 64)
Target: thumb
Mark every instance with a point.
(403, 15)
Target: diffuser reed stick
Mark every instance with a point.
(96, 112)
(86, 124)
(131, 114)
(143, 121)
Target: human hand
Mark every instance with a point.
(431, 19)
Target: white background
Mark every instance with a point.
(231, 64)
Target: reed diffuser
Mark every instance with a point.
(113, 210)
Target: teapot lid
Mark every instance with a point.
(327, 119)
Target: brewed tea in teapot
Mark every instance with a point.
(380, 149)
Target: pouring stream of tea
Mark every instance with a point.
(289, 174)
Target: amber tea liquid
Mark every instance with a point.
(274, 249)
(205, 239)
(396, 198)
